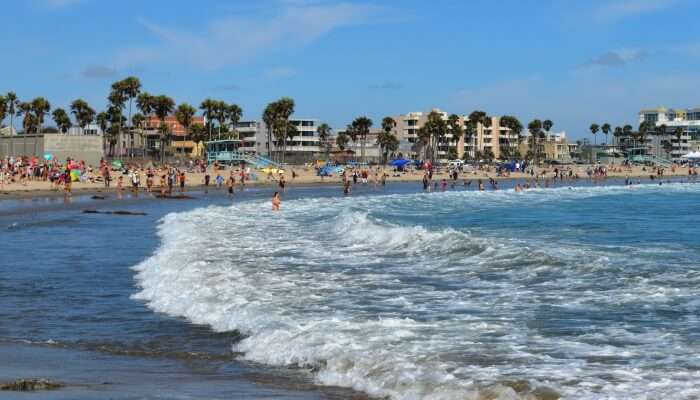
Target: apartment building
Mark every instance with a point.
(666, 143)
(406, 130)
(180, 144)
(501, 141)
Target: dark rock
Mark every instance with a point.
(26, 385)
(545, 393)
(96, 197)
(175, 197)
(118, 212)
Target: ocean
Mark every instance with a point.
(585, 292)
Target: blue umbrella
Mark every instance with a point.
(399, 163)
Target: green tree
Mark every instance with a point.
(434, 128)
(3, 109)
(62, 120)
(40, 107)
(324, 135)
(535, 130)
(82, 112)
(233, 115)
(472, 125)
(12, 105)
(102, 120)
(184, 115)
(605, 128)
(131, 87)
(360, 128)
(285, 109)
(162, 107)
(342, 140)
(454, 129)
(678, 132)
(209, 108)
(594, 129)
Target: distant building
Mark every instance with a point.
(494, 138)
(8, 131)
(181, 142)
(89, 130)
(372, 151)
(666, 144)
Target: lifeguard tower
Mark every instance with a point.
(228, 152)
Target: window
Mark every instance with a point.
(307, 134)
(651, 117)
(411, 122)
(307, 123)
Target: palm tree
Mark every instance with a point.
(605, 129)
(233, 115)
(361, 126)
(388, 142)
(102, 120)
(617, 133)
(475, 118)
(208, 107)
(3, 109)
(594, 129)
(220, 111)
(535, 129)
(162, 107)
(116, 99)
(12, 108)
(285, 109)
(144, 103)
(62, 120)
(40, 107)
(547, 125)
(197, 134)
(342, 140)
(138, 121)
(183, 115)
(324, 134)
(83, 113)
(454, 128)
(434, 128)
(269, 117)
(512, 123)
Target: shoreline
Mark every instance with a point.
(40, 189)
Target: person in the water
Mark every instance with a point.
(276, 201)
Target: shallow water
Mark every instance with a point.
(591, 292)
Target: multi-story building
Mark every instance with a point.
(500, 141)
(667, 143)
(372, 151)
(302, 147)
(248, 132)
(181, 143)
(406, 130)
(89, 130)
(553, 146)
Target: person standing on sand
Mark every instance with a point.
(276, 201)
(182, 182)
(162, 185)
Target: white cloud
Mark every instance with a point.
(579, 99)
(616, 10)
(238, 39)
(616, 58)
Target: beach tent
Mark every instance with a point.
(399, 163)
(695, 155)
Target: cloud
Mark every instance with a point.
(387, 86)
(238, 39)
(99, 72)
(577, 100)
(615, 10)
(617, 58)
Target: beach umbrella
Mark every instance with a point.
(399, 163)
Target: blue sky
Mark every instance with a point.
(575, 62)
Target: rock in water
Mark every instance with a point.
(27, 385)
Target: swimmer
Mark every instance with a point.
(276, 201)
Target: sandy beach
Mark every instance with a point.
(308, 176)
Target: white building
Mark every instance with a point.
(302, 147)
(686, 119)
(90, 130)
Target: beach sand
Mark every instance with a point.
(307, 176)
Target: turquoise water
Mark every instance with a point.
(589, 291)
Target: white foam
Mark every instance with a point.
(411, 312)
